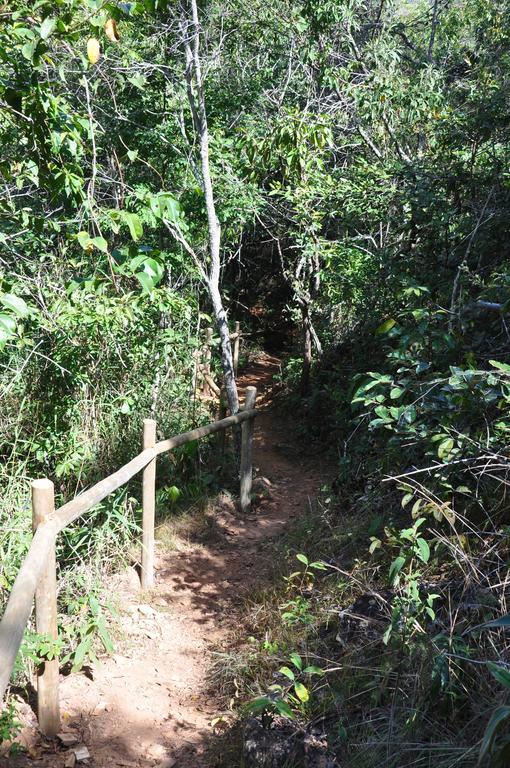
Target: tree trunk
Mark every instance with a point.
(196, 98)
(225, 348)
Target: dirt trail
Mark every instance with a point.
(146, 706)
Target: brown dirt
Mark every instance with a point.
(149, 705)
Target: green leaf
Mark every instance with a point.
(385, 327)
(47, 27)
(259, 704)
(132, 154)
(423, 550)
(287, 672)
(138, 81)
(499, 715)
(81, 652)
(313, 671)
(375, 544)
(501, 674)
(302, 559)
(500, 366)
(284, 709)
(134, 224)
(296, 660)
(106, 640)
(7, 323)
(396, 567)
(94, 606)
(173, 494)
(406, 499)
(100, 243)
(146, 281)
(15, 304)
(396, 392)
(445, 448)
(83, 239)
(170, 208)
(301, 692)
(28, 50)
(154, 269)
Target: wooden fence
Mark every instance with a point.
(37, 575)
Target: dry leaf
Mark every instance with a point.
(111, 31)
(93, 50)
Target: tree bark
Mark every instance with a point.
(196, 97)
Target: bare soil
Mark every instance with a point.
(151, 704)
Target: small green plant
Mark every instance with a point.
(297, 611)
(304, 578)
(10, 726)
(39, 647)
(92, 627)
(410, 609)
(285, 699)
(411, 545)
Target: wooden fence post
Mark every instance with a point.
(48, 711)
(246, 473)
(237, 340)
(148, 507)
(222, 412)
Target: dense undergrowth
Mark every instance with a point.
(398, 671)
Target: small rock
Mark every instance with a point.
(146, 610)
(161, 601)
(67, 739)
(70, 760)
(81, 753)
(168, 763)
(157, 751)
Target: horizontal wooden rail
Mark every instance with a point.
(19, 605)
(208, 429)
(70, 512)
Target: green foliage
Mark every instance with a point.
(90, 629)
(10, 726)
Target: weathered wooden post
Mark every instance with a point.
(246, 472)
(148, 506)
(222, 412)
(237, 339)
(48, 711)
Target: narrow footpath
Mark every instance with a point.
(149, 704)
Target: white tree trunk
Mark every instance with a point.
(197, 103)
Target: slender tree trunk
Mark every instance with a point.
(225, 348)
(196, 99)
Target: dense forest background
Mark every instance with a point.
(359, 163)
